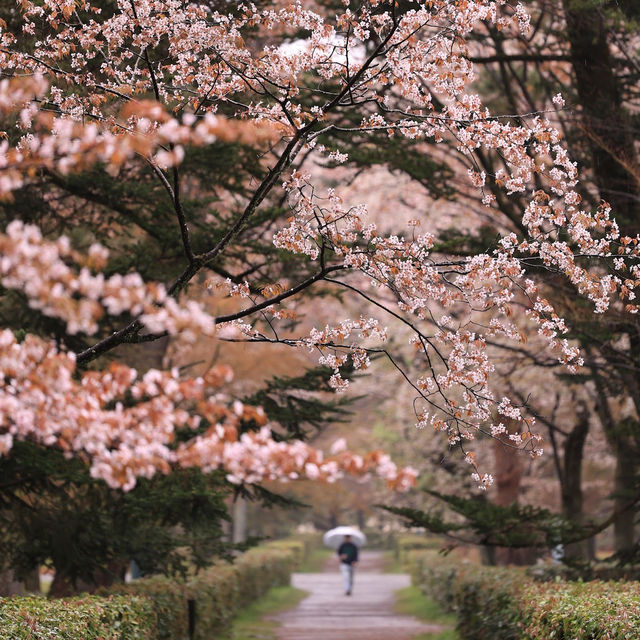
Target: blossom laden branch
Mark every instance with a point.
(356, 71)
(126, 425)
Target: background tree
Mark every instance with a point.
(588, 49)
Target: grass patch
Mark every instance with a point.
(315, 561)
(392, 564)
(249, 625)
(412, 602)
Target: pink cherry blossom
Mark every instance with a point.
(358, 71)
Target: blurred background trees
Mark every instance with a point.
(589, 50)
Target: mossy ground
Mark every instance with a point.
(412, 602)
(392, 564)
(250, 623)
(315, 561)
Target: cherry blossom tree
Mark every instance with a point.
(588, 50)
(141, 83)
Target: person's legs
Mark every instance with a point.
(351, 570)
(347, 576)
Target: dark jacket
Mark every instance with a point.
(350, 550)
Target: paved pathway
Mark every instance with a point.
(327, 614)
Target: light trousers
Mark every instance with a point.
(347, 576)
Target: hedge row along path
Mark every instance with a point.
(368, 614)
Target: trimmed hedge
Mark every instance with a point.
(222, 591)
(156, 608)
(83, 618)
(216, 594)
(260, 569)
(169, 600)
(496, 603)
(299, 549)
(380, 540)
(405, 543)
(607, 610)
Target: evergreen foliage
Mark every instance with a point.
(303, 405)
(484, 523)
(53, 513)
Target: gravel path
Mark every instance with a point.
(327, 614)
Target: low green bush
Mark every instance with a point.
(82, 618)
(168, 597)
(481, 597)
(221, 591)
(308, 551)
(155, 608)
(497, 603)
(260, 569)
(407, 542)
(215, 592)
(299, 549)
(581, 610)
(381, 540)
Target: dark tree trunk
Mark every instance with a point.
(625, 482)
(32, 581)
(605, 120)
(626, 470)
(64, 586)
(572, 496)
(114, 572)
(614, 163)
(508, 477)
(61, 586)
(9, 586)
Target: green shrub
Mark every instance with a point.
(155, 608)
(215, 592)
(169, 598)
(259, 570)
(82, 618)
(406, 543)
(301, 545)
(221, 591)
(582, 610)
(481, 597)
(382, 540)
(299, 549)
(497, 603)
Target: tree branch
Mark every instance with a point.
(521, 57)
(286, 158)
(279, 298)
(118, 337)
(174, 194)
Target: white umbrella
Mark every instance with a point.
(335, 537)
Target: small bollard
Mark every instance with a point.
(191, 604)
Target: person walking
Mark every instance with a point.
(348, 554)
